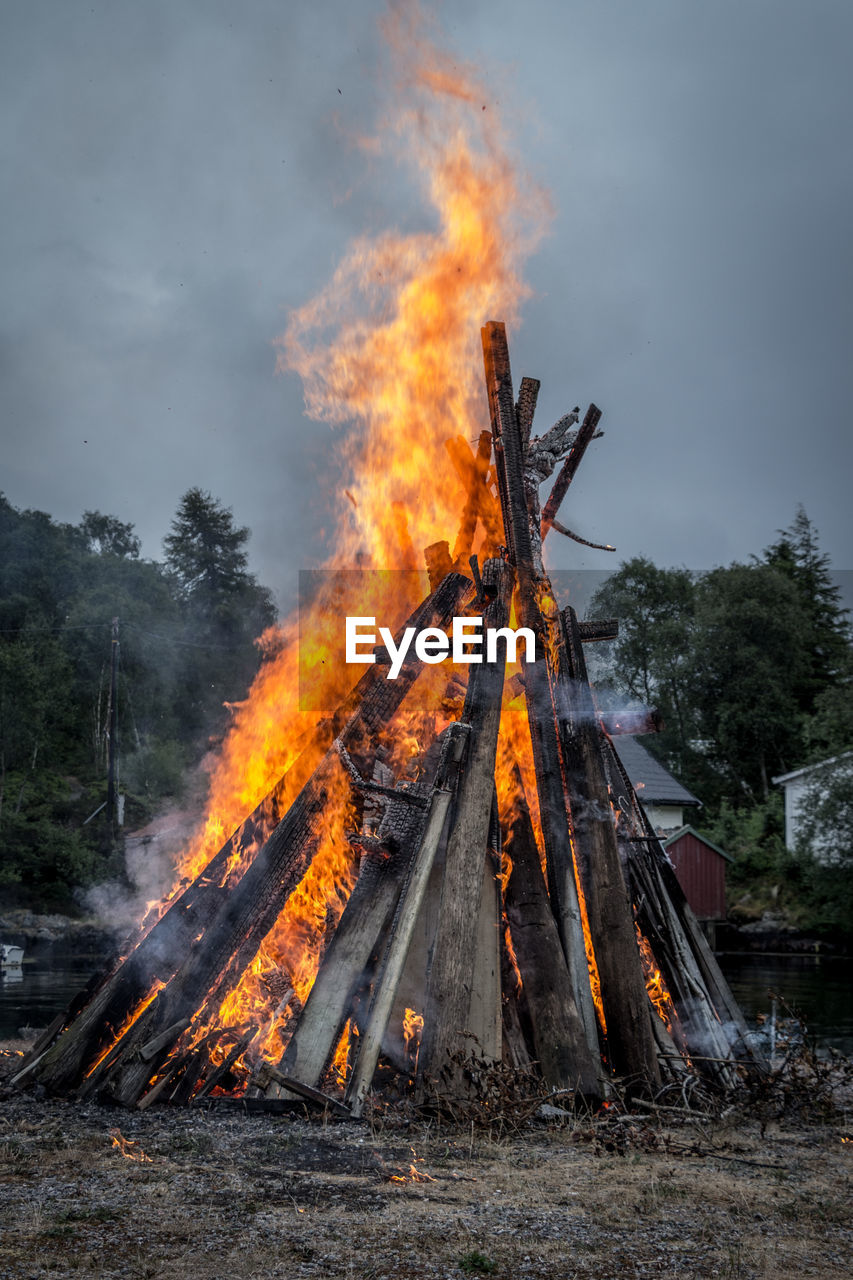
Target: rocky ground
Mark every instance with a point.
(210, 1194)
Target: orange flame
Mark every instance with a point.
(655, 984)
(389, 350)
(413, 1025)
(129, 1148)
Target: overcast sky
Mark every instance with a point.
(176, 176)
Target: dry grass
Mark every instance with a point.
(226, 1195)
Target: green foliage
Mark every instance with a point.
(186, 647)
(476, 1262)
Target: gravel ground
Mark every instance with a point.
(221, 1194)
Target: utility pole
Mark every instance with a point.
(112, 734)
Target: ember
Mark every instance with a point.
(129, 1148)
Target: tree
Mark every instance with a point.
(751, 657)
(225, 608)
(798, 557)
(106, 535)
(651, 661)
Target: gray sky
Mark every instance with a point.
(177, 176)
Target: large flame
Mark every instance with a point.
(389, 352)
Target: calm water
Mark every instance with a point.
(818, 987)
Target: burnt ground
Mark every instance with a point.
(223, 1194)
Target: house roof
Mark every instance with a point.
(691, 831)
(785, 778)
(653, 783)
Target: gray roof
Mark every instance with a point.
(653, 783)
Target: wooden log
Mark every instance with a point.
(569, 467)
(525, 407)
(630, 1047)
(411, 901)
(167, 1037)
(267, 1074)
(484, 1006)
(448, 1009)
(172, 944)
(602, 629)
(517, 1032)
(365, 919)
(219, 1073)
(707, 1014)
(166, 1082)
(538, 675)
(559, 1039)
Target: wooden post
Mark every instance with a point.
(409, 909)
(559, 1039)
(538, 676)
(447, 1014)
(630, 1048)
(569, 467)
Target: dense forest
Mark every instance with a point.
(750, 665)
(186, 645)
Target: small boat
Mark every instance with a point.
(11, 956)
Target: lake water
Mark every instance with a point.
(819, 988)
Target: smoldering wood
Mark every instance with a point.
(448, 1008)
(550, 785)
(364, 922)
(167, 1037)
(164, 1083)
(559, 1040)
(576, 537)
(630, 1048)
(171, 948)
(410, 904)
(267, 1074)
(598, 629)
(525, 407)
(569, 468)
(219, 1073)
(706, 1012)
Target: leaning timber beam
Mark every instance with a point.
(537, 678)
(559, 1040)
(191, 966)
(569, 467)
(630, 1047)
(409, 908)
(448, 1011)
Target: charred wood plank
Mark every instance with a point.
(559, 1039)
(539, 676)
(525, 407)
(603, 629)
(448, 1012)
(402, 931)
(630, 1048)
(365, 919)
(569, 467)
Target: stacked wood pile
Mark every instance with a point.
(593, 969)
